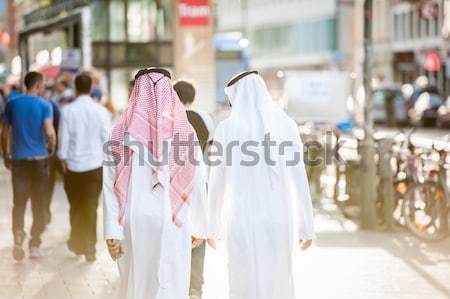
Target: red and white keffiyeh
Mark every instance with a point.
(154, 115)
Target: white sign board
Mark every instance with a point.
(71, 59)
(317, 96)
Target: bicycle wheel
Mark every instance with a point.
(425, 211)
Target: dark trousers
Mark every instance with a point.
(53, 169)
(30, 179)
(83, 190)
(197, 264)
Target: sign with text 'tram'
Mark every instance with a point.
(194, 12)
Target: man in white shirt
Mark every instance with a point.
(84, 128)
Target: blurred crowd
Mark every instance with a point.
(59, 91)
(50, 127)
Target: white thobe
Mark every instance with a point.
(259, 210)
(157, 259)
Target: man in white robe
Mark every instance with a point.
(258, 193)
(149, 228)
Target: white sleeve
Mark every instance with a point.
(111, 226)
(63, 135)
(300, 187)
(210, 125)
(199, 206)
(217, 186)
(106, 125)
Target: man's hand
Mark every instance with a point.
(7, 161)
(212, 243)
(63, 166)
(51, 148)
(196, 242)
(116, 248)
(51, 136)
(305, 244)
(6, 142)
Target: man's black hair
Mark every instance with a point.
(32, 78)
(185, 91)
(83, 84)
(65, 83)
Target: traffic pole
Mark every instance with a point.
(386, 187)
(368, 168)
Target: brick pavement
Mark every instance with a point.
(344, 263)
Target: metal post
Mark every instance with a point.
(387, 191)
(24, 53)
(108, 46)
(368, 169)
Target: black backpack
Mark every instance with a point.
(199, 126)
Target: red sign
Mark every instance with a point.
(432, 62)
(193, 12)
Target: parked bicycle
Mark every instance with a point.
(426, 207)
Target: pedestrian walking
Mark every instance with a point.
(154, 212)
(204, 128)
(53, 161)
(260, 179)
(84, 128)
(28, 140)
(65, 92)
(14, 92)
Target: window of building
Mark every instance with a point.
(117, 20)
(141, 18)
(423, 27)
(119, 87)
(99, 20)
(411, 25)
(164, 20)
(401, 26)
(418, 24)
(296, 38)
(396, 27)
(131, 20)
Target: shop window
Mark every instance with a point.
(99, 20)
(165, 19)
(117, 20)
(141, 19)
(131, 20)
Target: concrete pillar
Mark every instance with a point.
(194, 49)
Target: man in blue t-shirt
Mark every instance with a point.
(28, 140)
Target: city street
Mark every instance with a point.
(343, 263)
(365, 84)
(421, 137)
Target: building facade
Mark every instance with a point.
(410, 37)
(292, 34)
(116, 37)
(419, 46)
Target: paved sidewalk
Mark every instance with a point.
(344, 263)
(60, 274)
